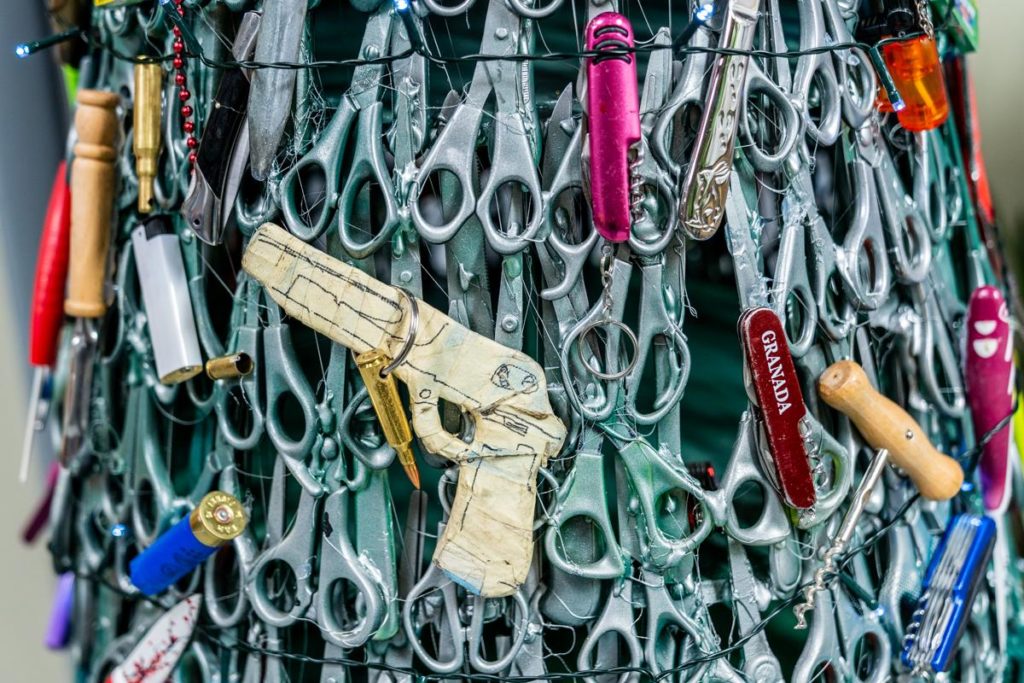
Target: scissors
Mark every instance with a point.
(454, 150)
(279, 367)
(280, 589)
(359, 115)
(582, 504)
(524, 8)
(759, 662)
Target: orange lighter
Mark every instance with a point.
(917, 72)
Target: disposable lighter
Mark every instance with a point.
(217, 520)
(172, 327)
(613, 123)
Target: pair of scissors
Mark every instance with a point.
(454, 152)
(524, 8)
(357, 124)
(280, 586)
(270, 346)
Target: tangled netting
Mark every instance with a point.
(444, 149)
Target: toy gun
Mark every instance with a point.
(487, 544)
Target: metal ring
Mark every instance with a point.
(611, 376)
(414, 328)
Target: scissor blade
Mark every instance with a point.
(154, 658)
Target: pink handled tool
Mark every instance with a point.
(989, 375)
(613, 120)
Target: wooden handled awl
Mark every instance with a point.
(487, 545)
(93, 178)
(885, 425)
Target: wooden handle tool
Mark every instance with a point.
(93, 180)
(845, 387)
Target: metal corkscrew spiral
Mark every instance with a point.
(846, 531)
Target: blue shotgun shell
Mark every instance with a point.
(217, 520)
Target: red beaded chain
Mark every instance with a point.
(183, 93)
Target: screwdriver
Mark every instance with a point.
(898, 439)
(47, 312)
(92, 205)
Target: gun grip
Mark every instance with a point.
(487, 545)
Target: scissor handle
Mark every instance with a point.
(528, 9)
(910, 243)
(298, 544)
(368, 168)
(772, 525)
(857, 81)
(227, 609)
(652, 325)
(582, 498)
(245, 340)
(816, 71)
(477, 658)
(618, 619)
(453, 155)
(864, 265)
(653, 477)
(793, 287)
(443, 10)
(514, 153)
(325, 157)
(340, 563)
(790, 125)
(284, 376)
(435, 585)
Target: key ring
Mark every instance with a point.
(607, 319)
(414, 326)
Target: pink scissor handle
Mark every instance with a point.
(613, 121)
(989, 374)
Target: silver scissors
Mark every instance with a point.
(358, 121)
(759, 662)
(281, 585)
(454, 150)
(271, 349)
(524, 8)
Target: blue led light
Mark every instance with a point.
(704, 12)
(402, 5)
(22, 50)
(119, 531)
(899, 105)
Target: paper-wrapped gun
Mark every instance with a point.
(487, 544)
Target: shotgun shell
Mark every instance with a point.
(218, 519)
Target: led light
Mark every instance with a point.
(704, 12)
(23, 50)
(402, 5)
(119, 531)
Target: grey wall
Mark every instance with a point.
(32, 131)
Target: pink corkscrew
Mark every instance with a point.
(989, 374)
(613, 111)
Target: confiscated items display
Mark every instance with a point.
(525, 340)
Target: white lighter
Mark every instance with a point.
(172, 327)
